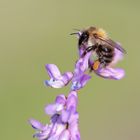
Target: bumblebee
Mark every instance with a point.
(96, 40)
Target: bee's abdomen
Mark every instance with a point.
(105, 54)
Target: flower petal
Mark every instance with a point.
(75, 86)
(59, 104)
(55, 118)
(57, 131)
(65, 135)
(111, 73)
(36, 124)
(81, 50)
(74, 118)
(81, 82)
(55, 83)
(73, 128)
(80, 79)
(84, 79)
(72, 100)
(41, 135)
(53, 108)
(66, 77)
(82, 63)
(53, 71)
(56, 79)
(65, 115)
(75, 134)
(60, 99)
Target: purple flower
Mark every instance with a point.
(80, 78)
(64, 120)
(57, 80)
(110, 72)
(63, 112)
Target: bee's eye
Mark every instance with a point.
(85, 35)
(83, 38)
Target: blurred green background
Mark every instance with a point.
(36, 32)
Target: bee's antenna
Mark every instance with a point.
(76, 33)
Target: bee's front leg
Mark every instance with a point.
(88, 49)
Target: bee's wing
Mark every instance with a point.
(112, 43)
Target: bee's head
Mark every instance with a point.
(87, 36)
(83, 37)
(90, 35)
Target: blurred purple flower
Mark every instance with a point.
(57, 80)
(110, 72)
(64, 120)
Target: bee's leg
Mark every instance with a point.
(88, 49)
(96, 65)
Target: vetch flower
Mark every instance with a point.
(57, 80)
(64, 120)
(80, 78)
(59, 105)
(94, 55)
(110, 72)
